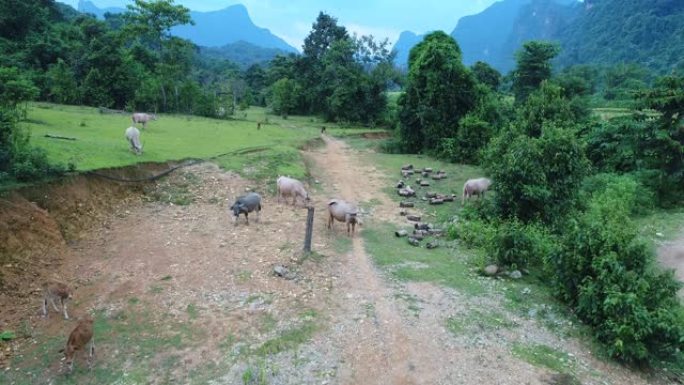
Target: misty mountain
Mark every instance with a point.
(403, 46)
(213, 29)
(85, 6)
(226, 26)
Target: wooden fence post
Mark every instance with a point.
(309, 229)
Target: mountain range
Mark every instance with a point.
(214, 29)
(648, 32)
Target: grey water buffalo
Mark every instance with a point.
(133, 137)
(343, 212)
(475, 187)
(141, 117)
(245, 205)
(288, 187)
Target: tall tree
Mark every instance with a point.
(533, 67)
(440, 91)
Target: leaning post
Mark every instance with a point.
(309, 229)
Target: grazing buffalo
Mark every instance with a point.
(245, 205)
(343, 212)
(475, 187)
(133, 137)
(141, 117)
(288, 187)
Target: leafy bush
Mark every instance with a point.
(473, 233)
(536, 178)
(606, 272)
(624, 189)
(518, 245)
(31, 163)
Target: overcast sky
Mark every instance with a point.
(292, 19)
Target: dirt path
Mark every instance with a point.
(671, 255)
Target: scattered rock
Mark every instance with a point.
(406, 204)
(432, 245)
(526, 290)
(491, 270)
(422, 226)
(400, 184)
(436, 201)
(515, 274)
(284, 272)
(424, 183)
(413, 241)
(401, 233)
(407, 167)
(659, 235)
(414, 218)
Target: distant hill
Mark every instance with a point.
(403, 46)
(242, 53)
(85, 6)
(647, 32)
(213, 29)
(226, 26)
(483, 36)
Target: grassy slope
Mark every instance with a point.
(100, 139)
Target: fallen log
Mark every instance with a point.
(407, 167)
(436, 201)
(413, 218)
(400, 233)
(413, 242)
(424, 183)
(406, 204)
(59, 137)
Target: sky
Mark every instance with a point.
(292, 19)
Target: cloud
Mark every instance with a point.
(379, 33)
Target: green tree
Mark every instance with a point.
(486, 75)
(283, 96)
(324, 32)
(533, 66)
(440, 90)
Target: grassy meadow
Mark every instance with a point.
(100, 141)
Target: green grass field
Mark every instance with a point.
(100, 139)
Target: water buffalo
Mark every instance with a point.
(475, 187)
(344, 212)
(245, 205)
(141, 117)
(133, 137)
(291, 187)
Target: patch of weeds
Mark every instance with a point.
(192, 311)
(445, 265)
(214, 200)
(243, 276)
(545, 357)
(342, 245)
(287, 246)
(133, 301)
(289, 338)
(267, 323)
(255, 375)
(412, 303)
(156, 289)
(311, 256)
(476, 320)
(563, 379)
(166, 278)
(456, 325)
(228, 342)
(176, 191)
(369, 309)
(7, 335)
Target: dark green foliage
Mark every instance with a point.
(473, 135)
(439, 92)
(606, 272)
(546, 105)
(533, 67)
(520, 245)
(627, 31)
(536, 178)
(631, 193)
(486, 75)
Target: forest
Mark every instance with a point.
(568, 182)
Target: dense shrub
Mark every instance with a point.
(518, 245)
(536, 178)
(606, 272)
(627, 190)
